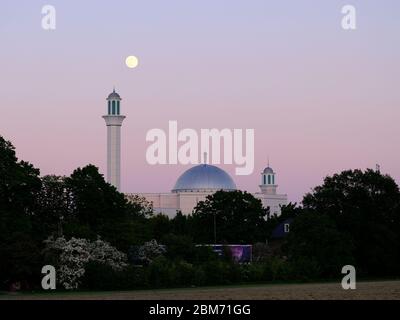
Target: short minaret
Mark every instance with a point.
(114, 122)
(268, 185)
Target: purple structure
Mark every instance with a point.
(240, 253)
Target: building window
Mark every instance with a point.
(113, 107)
(118, 107)
(269, 179)
(273, 179)
(109, 107)
(265, 179)
(286, 227)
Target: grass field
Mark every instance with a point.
(381, 290)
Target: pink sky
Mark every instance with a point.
(320, 99)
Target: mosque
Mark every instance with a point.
(194, 185)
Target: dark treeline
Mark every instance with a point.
(352, 218)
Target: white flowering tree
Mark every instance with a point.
(73, 256)
(151, 250)
(103, 252)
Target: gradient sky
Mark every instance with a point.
(320, 99)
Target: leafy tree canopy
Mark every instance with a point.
(365, 205)
(19, 185)
(237, 216)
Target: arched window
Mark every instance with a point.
(113, 107)
(109, 107)
(273, 179)
(265, 179)
(269, 179)
(118, 107)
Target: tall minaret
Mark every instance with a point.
(114, 122)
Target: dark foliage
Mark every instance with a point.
(352, 218)
(237, 217)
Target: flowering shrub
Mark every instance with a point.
(73, 255)
(150, 251)
(103, 252)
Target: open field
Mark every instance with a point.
(381, 290)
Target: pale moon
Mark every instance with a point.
(132, 62)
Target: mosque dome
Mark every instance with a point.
(114, 96)
(268, 170)
(204, 178)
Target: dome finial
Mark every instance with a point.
(205, 157)
(114, 95)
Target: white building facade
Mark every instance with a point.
(195, 184)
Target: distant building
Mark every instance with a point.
(198, 182)
(282, 230)
(193, 186)
(269, 197)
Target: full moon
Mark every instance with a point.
(132, 62)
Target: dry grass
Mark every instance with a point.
(381, 290)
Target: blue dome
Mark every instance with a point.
(204, 178)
